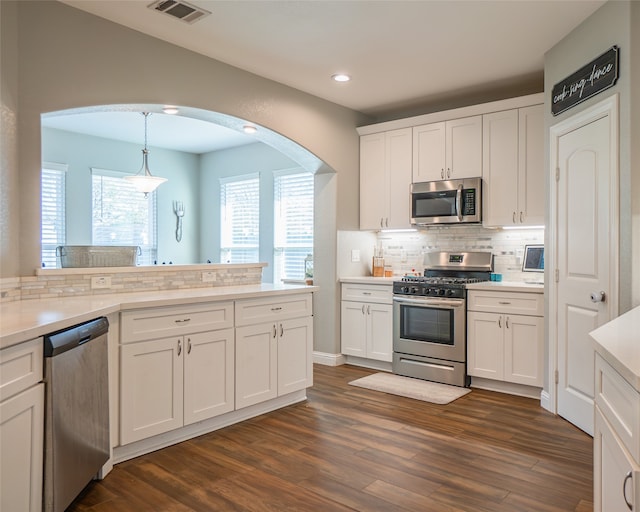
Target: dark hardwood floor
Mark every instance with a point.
(348, 448)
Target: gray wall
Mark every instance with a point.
(613, 24)
(55, 57)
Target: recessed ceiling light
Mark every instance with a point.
(341, 77)
(170, 109)
(249, 128)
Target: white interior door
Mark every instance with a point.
(586, 240)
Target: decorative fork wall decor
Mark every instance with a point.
(178, 209)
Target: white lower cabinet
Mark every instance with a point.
(501, 345)
(21, 427)
(366, 323)
(273, 357)
(170, 382)
(616, 442)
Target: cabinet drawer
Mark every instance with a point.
(620, 405)
(255, 311)
(161, 322)
(20, 367)
(381, 293)
(503, 302)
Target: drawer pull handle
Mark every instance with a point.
(504, 303)
(183, 320)
(366, 293)
(624, 489)
(276, 309)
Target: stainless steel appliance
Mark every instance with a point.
(77, 411)
(430, 317)
(446, 202)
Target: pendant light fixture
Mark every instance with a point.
(144, 181)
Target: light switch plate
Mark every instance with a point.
(355, 255)
(208, 276)
(98, 282)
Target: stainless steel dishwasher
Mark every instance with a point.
(76, 410)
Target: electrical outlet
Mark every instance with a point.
(208, 276)
(355, 255)
(98, 282)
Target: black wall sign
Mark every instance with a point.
(600, 74)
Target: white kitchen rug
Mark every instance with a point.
(418, 389)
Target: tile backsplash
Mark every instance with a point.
(404, 251)
(52, 284)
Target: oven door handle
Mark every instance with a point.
(440, 303)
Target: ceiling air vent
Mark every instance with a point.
(181, 10)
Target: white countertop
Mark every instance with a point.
(507, 286)
(618, 342)
(27, 319)
(369, 280)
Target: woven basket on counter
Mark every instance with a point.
(85, 256)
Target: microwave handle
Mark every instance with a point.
(459, 203)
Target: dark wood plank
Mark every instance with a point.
(349, 448)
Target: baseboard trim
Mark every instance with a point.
(328, 359)
(506, 387)
(545, 401)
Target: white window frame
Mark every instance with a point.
(233, 250)
(53, 213)
(147, 240)
(289, 254)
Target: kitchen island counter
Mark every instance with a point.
(27, 319)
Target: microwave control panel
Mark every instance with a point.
(469, 201)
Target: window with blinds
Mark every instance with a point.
(240, 219)
(53, 212)
(293, 223)
(123, 216)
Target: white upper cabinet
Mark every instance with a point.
(513, 169)
(448, 150)
(385, 179)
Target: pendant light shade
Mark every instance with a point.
(144, 181)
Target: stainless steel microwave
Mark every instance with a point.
(446, 202)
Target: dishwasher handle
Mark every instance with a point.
(66, 339)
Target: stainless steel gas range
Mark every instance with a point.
(430, 316)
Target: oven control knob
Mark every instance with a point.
(441, 292)
(414, 290)
(404, 289)
(449, 293)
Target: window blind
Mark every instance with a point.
(123, 216)
(240, 219)
(293, 223)
(53, 223)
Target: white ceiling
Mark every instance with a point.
(399, 53)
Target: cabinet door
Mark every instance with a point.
(523, 356)
(616, 476)
(464, 148)
(353, 330)
(500, 168)
(152, 377)
(208, 375)
(531, 166)
(21, 446)
(373, 192)
(398, 178)
(256, 364)
(485, 345)
(379, 332)
(295, 361)
(429, 152)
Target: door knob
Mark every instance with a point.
(598, 296)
